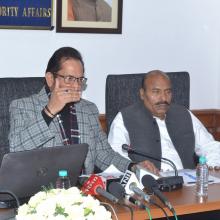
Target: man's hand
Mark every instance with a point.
(61, 96)
(149, 166)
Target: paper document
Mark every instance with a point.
(111, 171)
(189, 176)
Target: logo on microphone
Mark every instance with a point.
(90, 186)
(128, 178)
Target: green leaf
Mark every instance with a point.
(87, 211)
(60, 211)
(31, 211)
(77, 203)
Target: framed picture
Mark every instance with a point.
(89, 16)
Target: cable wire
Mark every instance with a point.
(174, 213)
(12, 195)
(111, 207)
(130, 208)
(154, 203)
(148, 211)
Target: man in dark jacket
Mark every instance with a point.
(162, 129)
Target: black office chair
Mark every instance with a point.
(123, 90)
(10, 89)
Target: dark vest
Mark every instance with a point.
(144, 133)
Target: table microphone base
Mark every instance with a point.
(170, 183)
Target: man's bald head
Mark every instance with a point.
(154, 74)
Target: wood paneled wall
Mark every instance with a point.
(209, 117)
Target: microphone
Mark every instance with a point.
(117, 190)
(152, 186)
(139, 192)
(165, 183)
(130, 182)
(95, 186)
(137, 203)
(136, 151)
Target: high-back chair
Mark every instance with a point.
(10, 89)
(123, 90)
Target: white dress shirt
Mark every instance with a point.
(204, 142)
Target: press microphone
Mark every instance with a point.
(130, 182)
(117, 190)
(165, 183)
(152, 186)
(95, 186)
(133, 187)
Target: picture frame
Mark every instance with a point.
(105, 16)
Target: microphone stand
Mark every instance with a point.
(166, 183)
(141, 153)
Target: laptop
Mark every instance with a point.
(26, 172)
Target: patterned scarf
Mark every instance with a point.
(68, 125)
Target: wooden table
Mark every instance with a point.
(184, 202)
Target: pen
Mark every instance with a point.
(191, 176)
(191, 182)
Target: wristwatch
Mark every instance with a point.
(132, 167)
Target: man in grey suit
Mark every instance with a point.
(58, 115)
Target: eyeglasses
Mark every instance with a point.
(71, 79)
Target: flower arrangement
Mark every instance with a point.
(63, 204)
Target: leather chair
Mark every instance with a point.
(10, 89)
(123, 90)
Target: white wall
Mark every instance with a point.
(169, 35)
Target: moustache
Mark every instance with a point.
(162, 103)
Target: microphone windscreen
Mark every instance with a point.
(117, 190)
(149, 182)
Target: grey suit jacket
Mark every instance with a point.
(28, 130)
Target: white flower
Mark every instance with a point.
(61, 204)
(90, 202)
(47, 207)
(76, 212)
(35, 200)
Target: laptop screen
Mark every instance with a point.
(26, 172)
